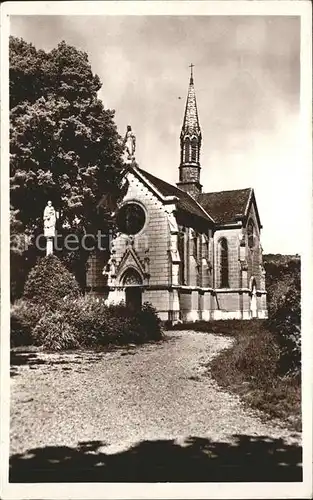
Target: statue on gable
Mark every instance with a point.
(130, 144)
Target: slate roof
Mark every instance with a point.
(185, 202)
(225, 206)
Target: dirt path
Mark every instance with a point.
(154, 392)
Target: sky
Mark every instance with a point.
(247, 82)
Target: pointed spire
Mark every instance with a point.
(190, 144)
(191, 120)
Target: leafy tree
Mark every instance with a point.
(20, 264)
(64, 146)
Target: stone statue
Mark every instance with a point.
(49, 218)
(130, 143)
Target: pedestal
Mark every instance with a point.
(49, 248)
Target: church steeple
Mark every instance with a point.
(190, 144)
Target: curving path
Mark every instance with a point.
(121, 398)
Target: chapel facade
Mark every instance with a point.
(192, 254)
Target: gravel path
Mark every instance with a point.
(154, 392)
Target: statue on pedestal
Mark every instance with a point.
(49, 219)
(130, 143)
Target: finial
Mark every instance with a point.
(191, 72)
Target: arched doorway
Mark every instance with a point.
(253, 304)
(133, 292)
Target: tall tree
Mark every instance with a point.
(64, 146)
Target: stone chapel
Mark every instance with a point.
(194, 255)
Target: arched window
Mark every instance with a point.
(223, 260)
(251, 234)
(187, 150)
(194, 150)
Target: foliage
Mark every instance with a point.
(19, 263)
(250, 368)
(24, 317)
(150, 323)
(284, 304)
(281, 271)
(53, 332)
(286, 323)
(49, 282)
(82, 322)
(254, 354)
(101, 324)
(264, 363)
(64, 145)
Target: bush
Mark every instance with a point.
(281, 271)
(97, 323)
(88, 322)
(150, 323)
(24, 317)
(286, 324)
(49, 282)
(53, 332)
(283, 283)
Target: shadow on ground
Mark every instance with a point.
(23, 357)
(249, 459)
(32, 359)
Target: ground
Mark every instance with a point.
(156, 404)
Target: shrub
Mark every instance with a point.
(53, 332)
(280, 275)
(24, 317)
(283, 282)
(89, 322)
(286, 323)
(150, 323)
(49, 282)
(81, 322)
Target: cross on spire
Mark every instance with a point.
(191, 66)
